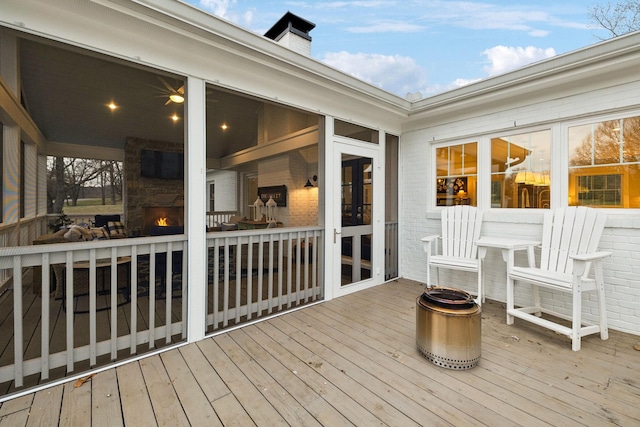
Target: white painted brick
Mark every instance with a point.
(622, 232)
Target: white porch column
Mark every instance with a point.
(196, 207)
(327, 182)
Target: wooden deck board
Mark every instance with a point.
(283, 402)
(247, 394)
(296, 388)
(105, 401)
(164, 399)
(353, 361)
(191, 396)
(134, 397)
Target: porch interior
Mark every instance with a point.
(353, 361)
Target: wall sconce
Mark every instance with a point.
(309, 184)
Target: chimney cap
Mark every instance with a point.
(292, 23)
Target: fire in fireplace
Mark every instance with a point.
(165, 216)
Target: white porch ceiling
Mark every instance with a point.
(66, 91)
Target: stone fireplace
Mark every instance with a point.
(148, 199)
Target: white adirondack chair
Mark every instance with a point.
(460, 229)
(570, 240)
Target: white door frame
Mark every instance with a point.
(342, 145)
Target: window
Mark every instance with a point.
(456, 174)
(520, 176)
(604, 164)
(351, 130)
(599, 190)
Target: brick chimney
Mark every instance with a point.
(293, 32)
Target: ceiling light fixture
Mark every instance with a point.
(224, 126)
(112, 106)
(177, 98)
(175, 117)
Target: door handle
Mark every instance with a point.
(335, 234)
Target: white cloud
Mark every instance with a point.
(393, 73)
(506, 58)
(225, 10)
(218, 7)
(539, 33)
(386, 27)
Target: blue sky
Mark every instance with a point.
(426, 46)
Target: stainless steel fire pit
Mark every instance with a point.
(448, 330)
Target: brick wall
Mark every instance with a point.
(292, 170)
(419, 217)
(226, 187)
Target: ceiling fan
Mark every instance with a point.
(175, 95)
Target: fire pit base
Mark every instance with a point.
(448, 328)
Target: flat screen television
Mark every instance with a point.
(161, 164)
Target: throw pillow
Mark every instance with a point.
(99, 233)
(116, 229)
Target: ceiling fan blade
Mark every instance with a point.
(181, 90)
(167, 85)
(168, 102)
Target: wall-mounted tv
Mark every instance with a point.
(161, 164)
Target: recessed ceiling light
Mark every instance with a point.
(112, 105)
(175, 118)
(224, 126)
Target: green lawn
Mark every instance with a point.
(93, 206)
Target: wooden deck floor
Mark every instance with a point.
(353, 361)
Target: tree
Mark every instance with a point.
(67, 177)
(620, 17)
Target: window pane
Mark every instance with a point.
(580, 150)
(631, 140)
(442, 161)
(604, 164)
(354, 131)
(456, 174)
(520, 176)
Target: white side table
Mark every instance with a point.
(508, 246)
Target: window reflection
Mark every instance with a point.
(604, 163)
(520, 170)
(456, 174)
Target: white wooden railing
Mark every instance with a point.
(67, 258)
(19, 234)
(215, 218)
(279, 268)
